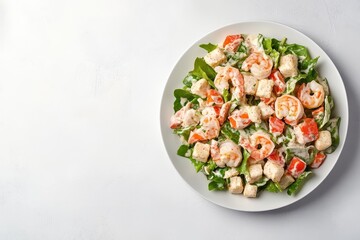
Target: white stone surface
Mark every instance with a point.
(81, 155)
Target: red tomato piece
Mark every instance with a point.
(276, 125)
(318, 160)
(279, 83)
(214, 98)
(296, 167)
(276, 157)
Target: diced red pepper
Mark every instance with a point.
(217, 110)
(296, 167)
(318, 160)
(276, 157)
(276, 125)
(309, 130)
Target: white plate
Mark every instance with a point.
(266, 200)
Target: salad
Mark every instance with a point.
(255, 115)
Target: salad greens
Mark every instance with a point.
(241, 136)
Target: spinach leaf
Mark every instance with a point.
(183, 151)
(208, 47)
(189, 80)
(203, 70)
(299, 182)
(186, 151)
(197, 164)
(184, 132)
(183, 94)
(299, 50)
(217, 181)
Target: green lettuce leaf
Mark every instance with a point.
(230, 133)
(291, 83)
(274, 48)
(243, 168)
(299, 182)
(333, 127)
(329, 104)
(273, 187)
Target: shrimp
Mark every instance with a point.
(214, 98)
(196, 135)
(230, 154)
(311, 94)
(289, 108)
(233, 75)
(209, 129)
(262, 144)
(239, 119)
(177, 119)
(224, 111)
(214, 150)
(259, 64)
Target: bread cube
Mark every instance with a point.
(254, 113)
(285, 181)
(266, 110)
(288, 65)
(324, 140)
(200, 88)
(255, 173)
(215, 57)
(250, 84)
(250, 190)
(201, 152)
(231, 173)
(236, 185)
(273, 171)
(264, 88)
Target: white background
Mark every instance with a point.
(81, 154)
